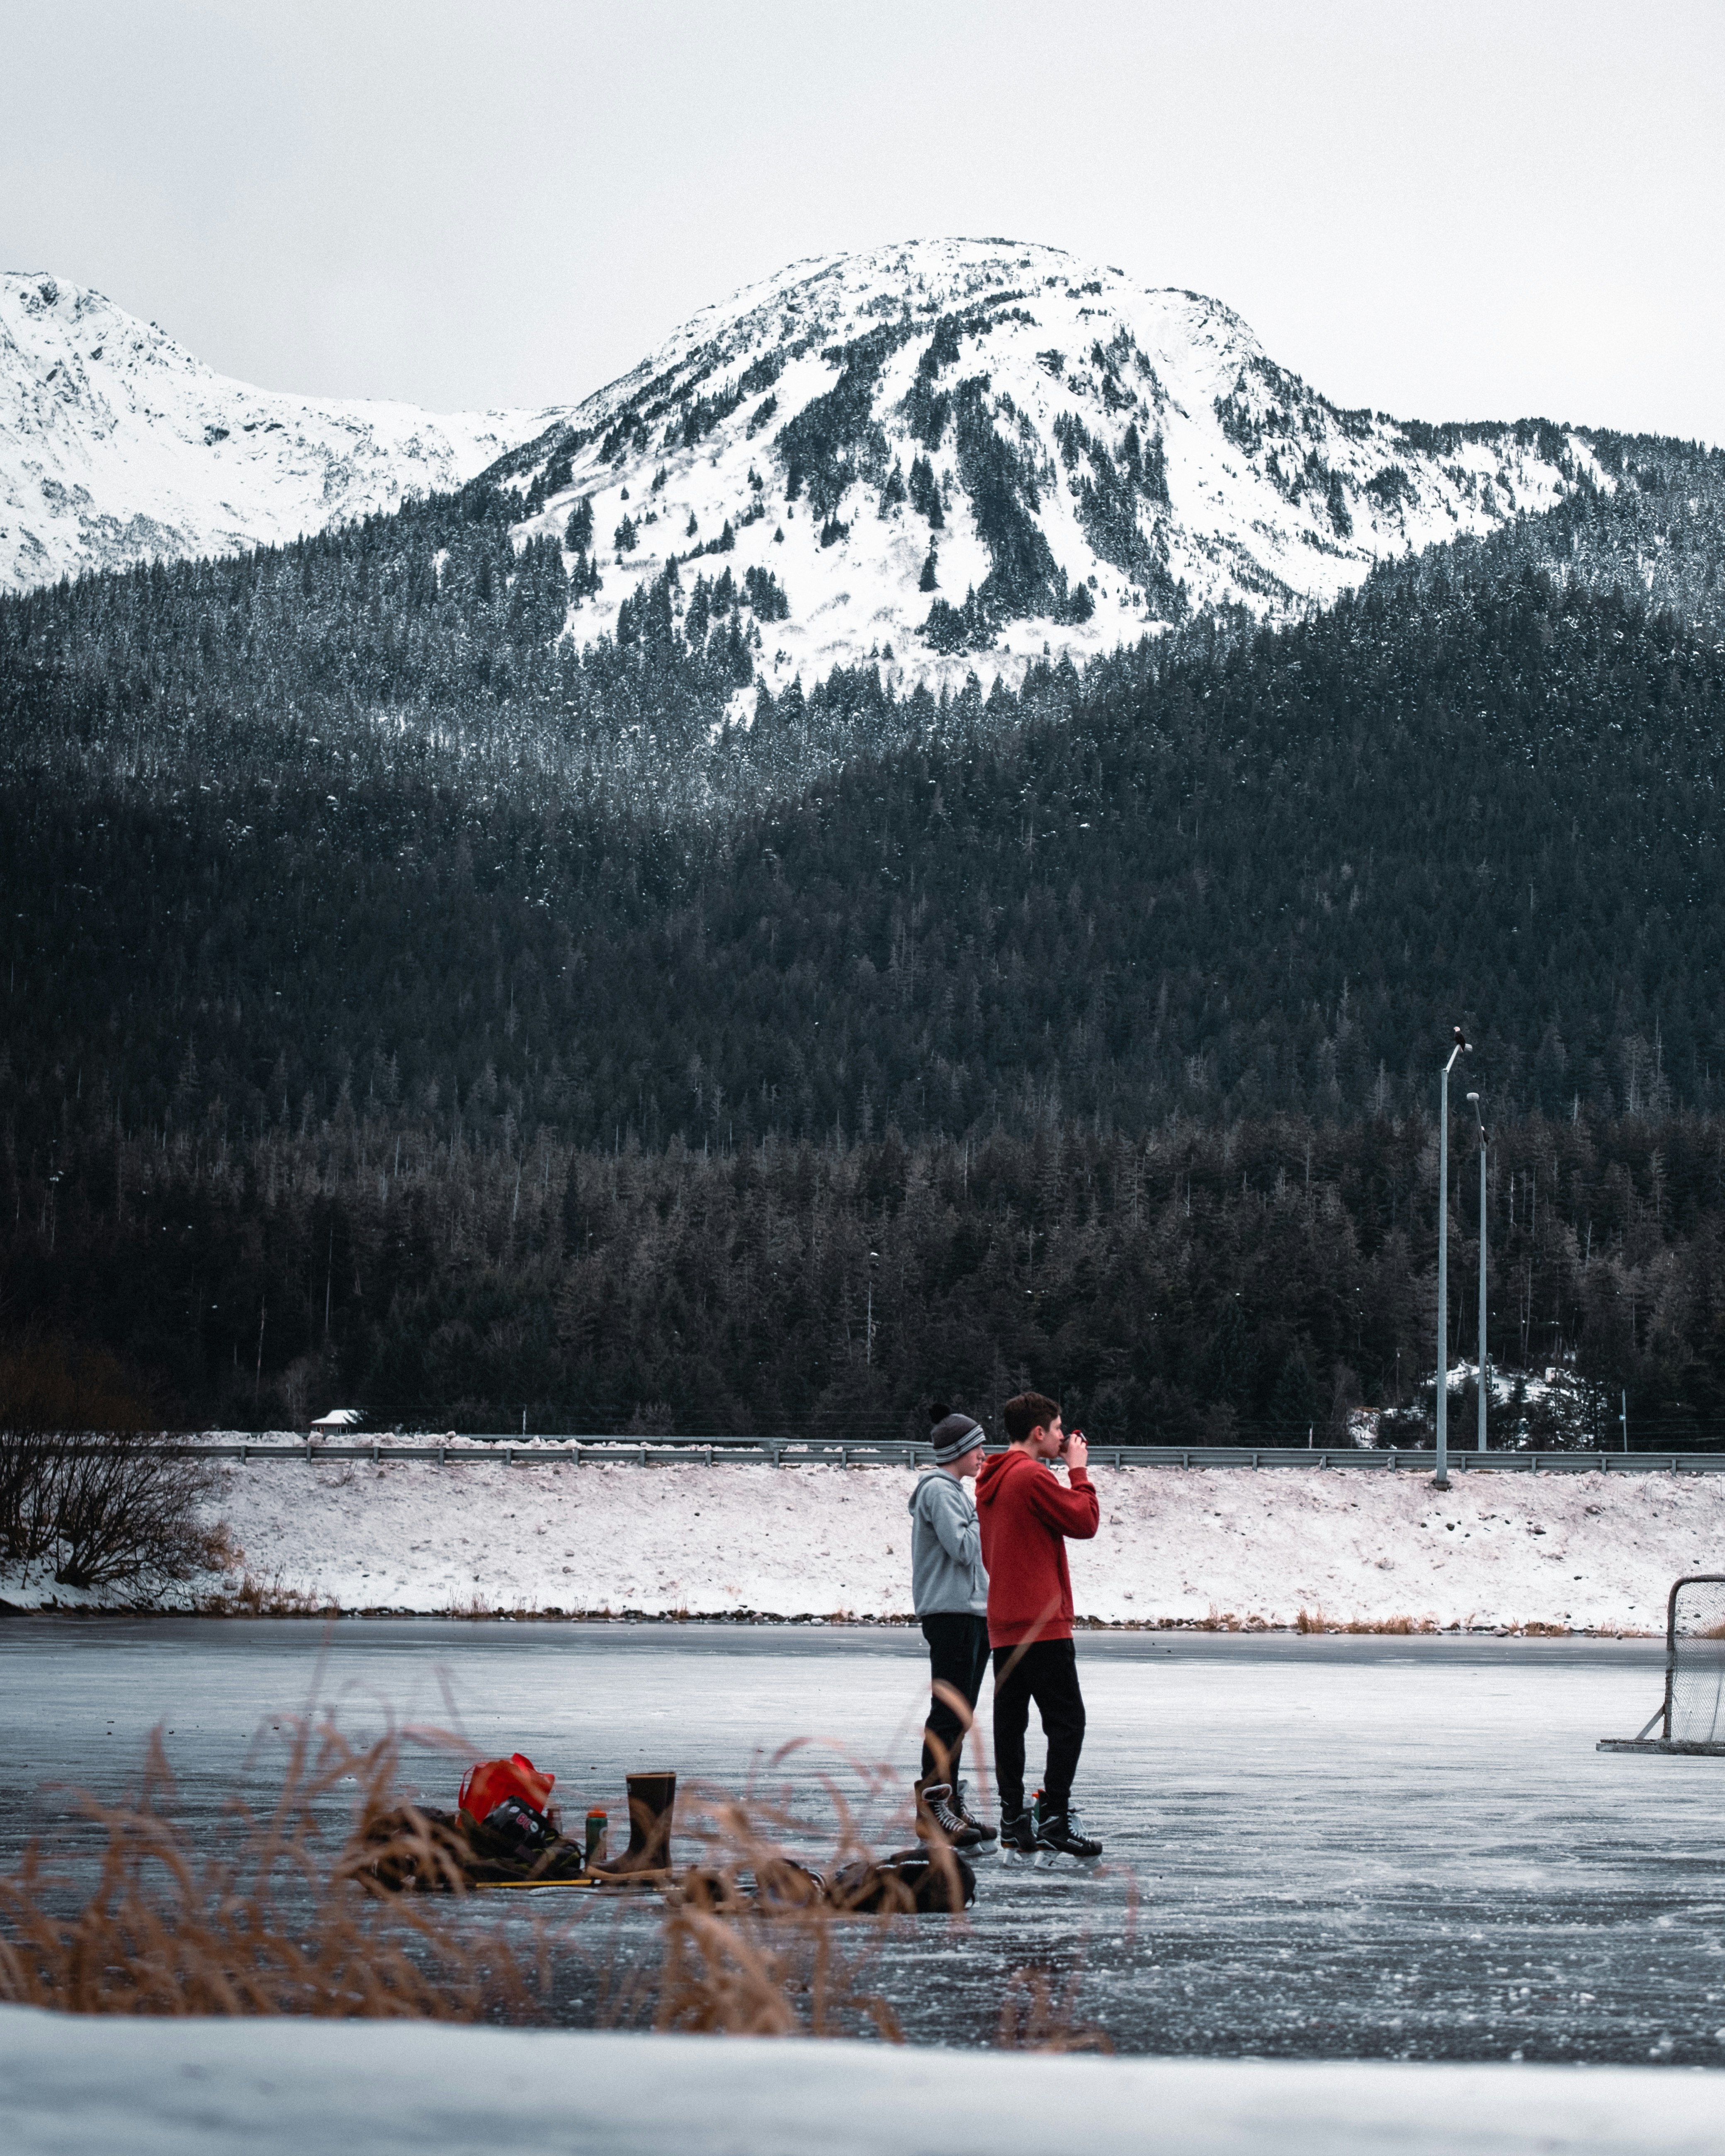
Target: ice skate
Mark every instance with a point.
(939, 1819)
(986, 1832)
(1017, 1839)
(1060, 1840)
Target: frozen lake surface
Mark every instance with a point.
(1316, 1847)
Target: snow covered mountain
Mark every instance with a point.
(957, 446)
(118, 446)
(936, 451)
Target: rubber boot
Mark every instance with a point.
(646, 1862)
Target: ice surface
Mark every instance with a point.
(1334, 1848)
(69, 2087)
(1185, 1546)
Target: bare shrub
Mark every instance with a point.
(26, 1518)
(126, 1504)
(85, 1480)
(47, 1389)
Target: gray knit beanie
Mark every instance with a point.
(953, 1435)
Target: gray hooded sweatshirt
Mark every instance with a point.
(946, 1573)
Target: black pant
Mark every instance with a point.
(1046, 1672)
(957, 1656)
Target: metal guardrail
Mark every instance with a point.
(793, 1452)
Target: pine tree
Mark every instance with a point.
(1293, 1410)
(925, 494)
(928, 582)
(766, 595)
(945, 629)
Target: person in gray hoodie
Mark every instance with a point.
(950, 1589)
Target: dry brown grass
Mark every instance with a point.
(260, 1916)
(264, 1598)
(275, 1912)
(1315, 1620)
(1039, 2012)
(751, 1946)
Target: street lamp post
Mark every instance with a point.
(1480, 1389)
(1441, 1477)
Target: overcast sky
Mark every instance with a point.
(1443, 211)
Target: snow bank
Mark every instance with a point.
(1177, 1547)
(281, 2088)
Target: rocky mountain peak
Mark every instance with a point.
(961, 452)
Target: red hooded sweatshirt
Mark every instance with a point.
(1025, 1517)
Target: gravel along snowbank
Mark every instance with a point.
(1177, 1546)
(280, 2087)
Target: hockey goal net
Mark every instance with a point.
(1695, 1662)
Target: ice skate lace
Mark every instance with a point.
(1075, 1826)
(946, 1815)
(961, 1807)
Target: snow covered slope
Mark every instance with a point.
(1227, 1546)
(117, 446)
(953, 421)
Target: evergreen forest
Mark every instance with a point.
(410, 1005)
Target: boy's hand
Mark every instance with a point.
(1077, 1450)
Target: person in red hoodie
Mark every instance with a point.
(1026, 1517)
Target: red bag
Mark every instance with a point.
(492, 1782)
